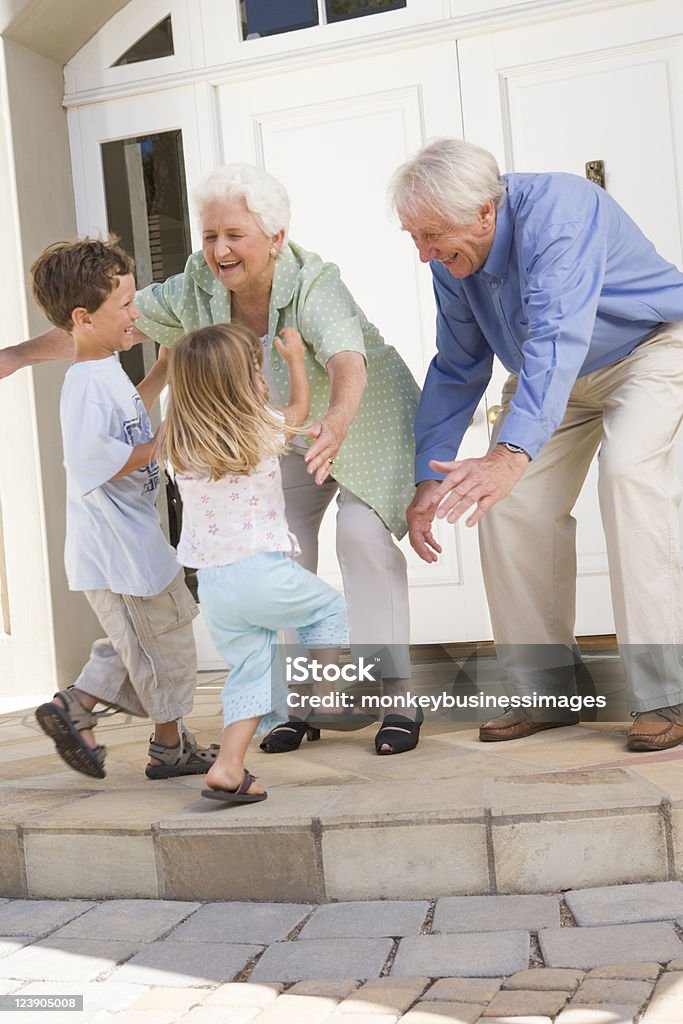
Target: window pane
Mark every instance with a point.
(341, 10)
(156, 43)
(269, 17)
(146, 195)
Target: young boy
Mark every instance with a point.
(115, 551)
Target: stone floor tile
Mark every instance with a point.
(11, 945)
(119, 919)
(589, 947)
(128, 1017)
(495, 913)
(611, 990)
(676, 965)
(629, 972)
(300, 1009)
(624, 904)
(363, 1018)
(336, 988)
(110, 866)
(666, 1005)
(186, 964)
(243, 993)
(37, 918)
(75, 960)
(159, 998)
(366, 919)
(463, 990)
(431, 1012)
(467, 956)
(539, 979)
(384, 995)
(242, 922)
(515, 1002)
(97, 995)
(607, 1013)
(229, 1015)
(323, 958)
(515, 1020)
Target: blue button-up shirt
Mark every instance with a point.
(571, 284)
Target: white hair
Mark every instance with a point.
(263, 195)
(450, 178)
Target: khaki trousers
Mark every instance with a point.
(373, 567)
(632, 410)
(147, 666)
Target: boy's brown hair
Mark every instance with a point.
(84, 273)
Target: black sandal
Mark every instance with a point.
(398, 733)
(288, 736)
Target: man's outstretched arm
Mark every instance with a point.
(53, 344)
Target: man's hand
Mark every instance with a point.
(481, 482)
(10, 362)
(420, 515)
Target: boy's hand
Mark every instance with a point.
(290, 345)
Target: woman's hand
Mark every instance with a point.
(290, 346)
(329, 436)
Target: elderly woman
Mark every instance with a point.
(363, 402)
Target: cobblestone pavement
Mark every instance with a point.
(594, 956)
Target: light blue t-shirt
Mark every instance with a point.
(571, 284)
(113, 535)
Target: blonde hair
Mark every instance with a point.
(217, 421)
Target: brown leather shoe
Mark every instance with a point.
(511, 727)
(657, 730)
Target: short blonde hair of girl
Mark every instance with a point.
(217, 421)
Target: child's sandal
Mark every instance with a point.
(64, 725)
(184, 758)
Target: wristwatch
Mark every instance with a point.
(514, 448)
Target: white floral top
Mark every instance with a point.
(229, 519)
(376, 460)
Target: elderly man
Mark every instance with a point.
(548, 273)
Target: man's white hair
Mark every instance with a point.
(448, 178)
(263, 195)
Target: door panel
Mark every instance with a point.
(335, 146)
(539, 101)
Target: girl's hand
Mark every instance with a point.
(290, 345)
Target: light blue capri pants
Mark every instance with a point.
(244, 605)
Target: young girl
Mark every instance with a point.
(224, 440)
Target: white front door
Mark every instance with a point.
(334, 135)
(553, 97)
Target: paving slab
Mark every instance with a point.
(666, 1006)
(610, 990)
(495, 913)
(241, 993)
(607, 1013)
(336, 988)
(119, 919)
(35, 918)
(323, 958)
(383, 995)
(515, 1002)
(624, 904)
(588, 947)
(259, 923)
(540, 979)
(434, 1012)
(97, 995)
(463, 990)
(630, 972)
(75, 960)
(550, 792)
(378, 918)
(289, 1009)
(186, 964)
(197, 1015)
(471, 955)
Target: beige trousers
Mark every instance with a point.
(373, 567)
(147, 666)
(632, 410)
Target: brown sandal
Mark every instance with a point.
(184, 758)
(64, 725)
(236, 796)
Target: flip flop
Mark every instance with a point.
(236, 796)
